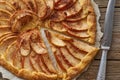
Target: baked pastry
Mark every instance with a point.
(47, 39)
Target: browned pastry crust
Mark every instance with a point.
(22, 48)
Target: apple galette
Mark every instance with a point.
(47, 39)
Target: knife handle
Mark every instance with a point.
(102, 68)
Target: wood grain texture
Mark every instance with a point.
(113, 71)
(113, 64)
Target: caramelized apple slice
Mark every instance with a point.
(31, 4)
(48, 63)
(38, 48)
(4, 23)
(50, 7)
(42, 8)
(58, 42)
(7, 38)
(21, 18)
(68, 57)
(42, 65)
(71, 4)
(27, 64)
(34, 62)
(17, 60)
(62, 37)
(58, 16)
(76, 26)
(25, 48)
(80, 34)
(57, 26)
(78, 17)
(6, 6)
(5, 34)
(18, 4)
(75, 52)
(4, 14)
(76, 8)
(85, 48)
(61, 61)
(36, 45)
(62, 4)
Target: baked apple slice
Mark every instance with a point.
(34, 62)
(50, 7)
(58, 42)
(4, 23)
(17, 4)
(31, 4)
(6, 37)
(76, 26)
(48, 63)
(80, 34)
(57, 26)
(74, 51)
(78, 17)
(58, 16)
(61, 61)
(75, 9)
(62, 4)
(36, 44)
(42, 8)
(68, 57)
(4, 14)
(22, 19)
(7, 6)
(25, 48)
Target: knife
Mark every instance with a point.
(107, 39)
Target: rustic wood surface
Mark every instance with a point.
(113, 61)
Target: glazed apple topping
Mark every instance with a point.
(7, 7)
(21, 19)
(62, 4)
(31, 4)
(50, 8)
(42, 8)
(18, 6)
(67, 55)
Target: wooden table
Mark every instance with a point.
(113, 65)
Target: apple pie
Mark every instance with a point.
(47, 39)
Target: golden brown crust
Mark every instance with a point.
(78, 69)
(91, 20)
(25, 73)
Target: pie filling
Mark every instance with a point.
(37, 37)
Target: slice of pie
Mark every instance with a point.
(47, 39)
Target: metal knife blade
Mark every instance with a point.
(107, 39)
(108, 25)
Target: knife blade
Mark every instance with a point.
(108, 24)
(107, 39)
